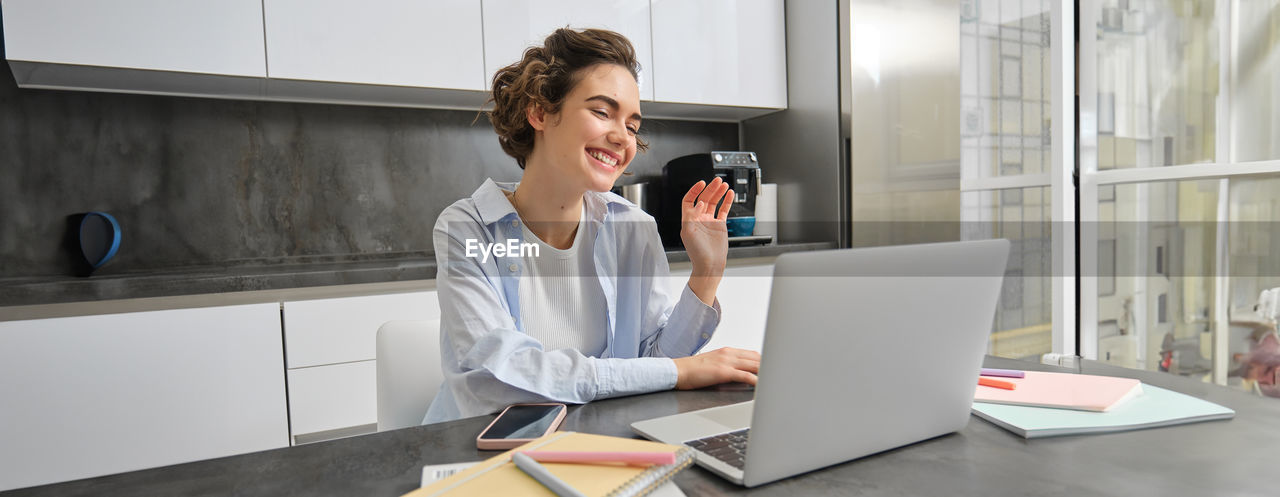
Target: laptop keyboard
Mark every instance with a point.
(731, 448)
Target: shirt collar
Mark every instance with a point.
(493, 205)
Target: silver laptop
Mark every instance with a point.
(865, 350)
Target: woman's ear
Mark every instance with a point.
(537, 117)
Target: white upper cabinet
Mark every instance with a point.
(720, 52)
(719, 60)
(192, 36)
(510, 26)
(435, 44)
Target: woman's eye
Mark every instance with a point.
(600, 113)
(633, 130)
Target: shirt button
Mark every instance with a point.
(705, 336)
(513, 267)
(515, 223)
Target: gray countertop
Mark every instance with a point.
(1234, 457)
(258, 276)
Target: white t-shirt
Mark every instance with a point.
(561, 303)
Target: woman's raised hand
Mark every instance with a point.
(705, 236)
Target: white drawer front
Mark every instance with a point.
(330, 397)
(94, 395)
(331, 331)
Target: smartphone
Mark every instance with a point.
(520, 423)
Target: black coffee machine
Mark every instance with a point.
(740, 170)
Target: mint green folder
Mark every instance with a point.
(1154, 408)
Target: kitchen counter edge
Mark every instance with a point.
(218, 286)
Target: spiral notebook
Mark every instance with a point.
(498, 476)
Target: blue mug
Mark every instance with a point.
(741, 226)
(93, 239)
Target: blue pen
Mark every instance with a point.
(1004, 373)
(540, 473)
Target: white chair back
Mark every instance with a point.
(409, 373)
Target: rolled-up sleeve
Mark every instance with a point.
(689, 327)
(618, 377)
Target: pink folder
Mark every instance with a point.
(1063, 390)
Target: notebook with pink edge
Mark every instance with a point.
(1081, 392)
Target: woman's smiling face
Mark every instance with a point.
(593, 137)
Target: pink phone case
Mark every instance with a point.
(511, 443)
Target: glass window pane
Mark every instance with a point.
(1156, 271)
(1005, 94)
(1157, 82)
(1023, 327)
(1257, 92)
(1253, 348)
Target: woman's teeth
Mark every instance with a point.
(602, 157)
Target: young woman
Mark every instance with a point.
(586, 314)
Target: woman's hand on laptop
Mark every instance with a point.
(718, 366)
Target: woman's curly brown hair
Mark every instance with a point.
(544, 76)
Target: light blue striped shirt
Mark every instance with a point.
(488, 360)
